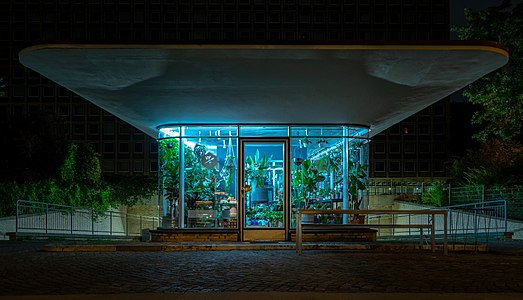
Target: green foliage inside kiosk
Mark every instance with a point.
(325, 168)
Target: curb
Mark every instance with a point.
(170, 247)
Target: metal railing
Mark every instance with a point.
(474, 223)
(477, 222)
(46, 218)
(417, 219)
(464, 226)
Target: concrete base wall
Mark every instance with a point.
(382, 201)
(351, 235)
(177, 236)
(7, 224)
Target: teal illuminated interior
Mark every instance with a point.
(257, 177)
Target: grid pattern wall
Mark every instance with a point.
(123, 148)
(416, 147)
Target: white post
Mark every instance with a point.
(298, 233)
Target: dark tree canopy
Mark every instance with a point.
(2, 87)
(500, 93)
(33, 147)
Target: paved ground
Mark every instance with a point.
(25, 270)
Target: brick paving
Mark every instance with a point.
(26, 270)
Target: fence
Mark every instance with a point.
(46, 218)
(471, 224)
(456, 195)
(474, 194)
(477, 222)
(398, 188)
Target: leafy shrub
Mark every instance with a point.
(436, 195)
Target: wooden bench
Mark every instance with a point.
(300, 227)
(331, 228)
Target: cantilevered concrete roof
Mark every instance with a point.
(372, 85)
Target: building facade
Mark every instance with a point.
(416, 147)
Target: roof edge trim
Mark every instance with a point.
(462, 46)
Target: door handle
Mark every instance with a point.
(246, 188)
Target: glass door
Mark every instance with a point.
(265, 189)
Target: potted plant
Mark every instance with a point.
(274, 218)
(356, 184)
(305, 178)
(256, 171)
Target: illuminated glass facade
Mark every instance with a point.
(256, 177)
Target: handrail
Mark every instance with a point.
(373, 211)
(489, 213)
(432, 212)
(484, 203)
(40, 217)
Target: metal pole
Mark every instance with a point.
(181, 200)
(433, 235)
(110, 222)
(127, 224)
(17, 215)
(450, 220)
(393, 216)
(449, 193)
(92, 221)
(475, 226)
(409, 223)
(46, 215)
(445, 241)
(345, 187)
(505, 215)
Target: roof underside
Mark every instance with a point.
(370, 85)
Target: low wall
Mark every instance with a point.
(7, 224)
(146, 207)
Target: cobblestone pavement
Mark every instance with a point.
(24, 270)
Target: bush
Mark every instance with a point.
(436, 196)
(122, 191)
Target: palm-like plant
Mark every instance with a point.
(304, 182)
(255, 168)
(356, 183)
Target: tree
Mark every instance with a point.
(495, 163)
(33, 147)
(2, 86)
(500, 93)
